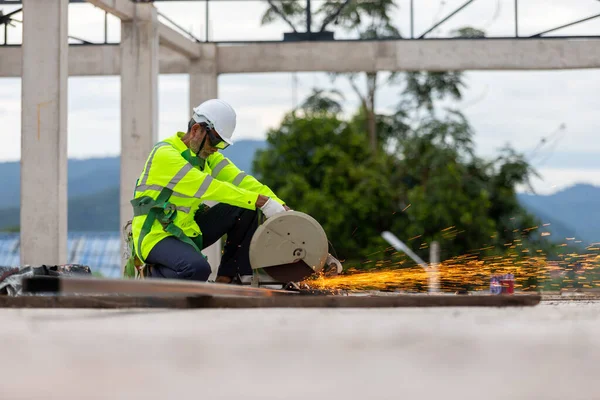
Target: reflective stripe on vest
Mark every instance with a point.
(222, 164)
(176, 179)
(239, 178)
(149, 163)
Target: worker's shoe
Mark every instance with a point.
(224, 279)
(234, 280)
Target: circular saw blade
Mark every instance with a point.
(289, 246)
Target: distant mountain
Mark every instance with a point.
(98, 174)
(96, 212)
(84, 177)
(93, 189)
(558, 230)
(574, 211)
(242, 153)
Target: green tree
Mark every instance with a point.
(435, 160)
(320, 165)
(431, 186)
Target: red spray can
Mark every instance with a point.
(507, 282)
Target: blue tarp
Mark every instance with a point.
(100, 251)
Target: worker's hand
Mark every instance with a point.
(262, 199)
(271, 207)
(287, 208)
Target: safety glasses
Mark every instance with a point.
(216, 141)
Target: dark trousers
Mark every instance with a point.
(174, 259)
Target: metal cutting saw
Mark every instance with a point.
(288, 248)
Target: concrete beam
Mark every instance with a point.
(172, 62)
(127, 11)
(175, 41)
(407, 55)
(85, 60)
(432, 55)
(139, 102)
(44, 132)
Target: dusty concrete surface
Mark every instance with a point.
(551, 351)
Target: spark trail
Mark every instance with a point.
(472, 272)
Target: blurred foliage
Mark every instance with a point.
(319, 164)
(468, 32)
(426, 183)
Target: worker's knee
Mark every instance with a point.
(197, 269)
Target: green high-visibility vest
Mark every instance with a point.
(172, 187)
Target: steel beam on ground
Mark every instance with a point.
(157, 294)
(392, 301)
(103, 302)
(146, 287)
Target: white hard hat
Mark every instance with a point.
(220, 115)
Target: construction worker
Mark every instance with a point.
(171, 225)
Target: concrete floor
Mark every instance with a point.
(551, 351)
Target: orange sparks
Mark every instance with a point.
(473, 272)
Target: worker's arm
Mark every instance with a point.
(225, 170)
(191, 182)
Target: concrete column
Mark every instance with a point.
(203, 76)
(44, 132)
(139, 99)
(204, 86)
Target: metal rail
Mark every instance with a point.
(311, 35)
(579, 21)
(190, 34)
(146, 287)
(387, 39)
(307, 301)
(8, 18)
(453, 13)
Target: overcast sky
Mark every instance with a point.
(516, 107)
